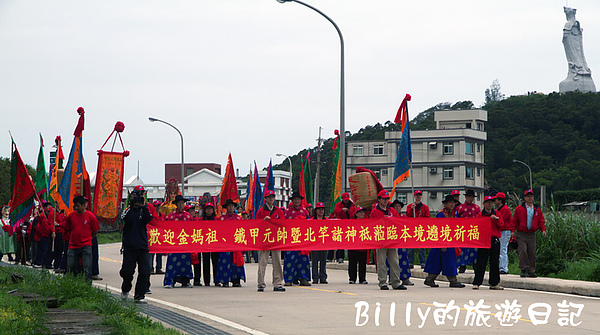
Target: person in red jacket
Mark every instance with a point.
(417, 209)
(380, 210)
(44, 234)
(493, 253)
(526, 220)
(267, 212)
(343, 210)
(296, 263)
(83, 226)
(506, 214)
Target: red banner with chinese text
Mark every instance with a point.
(300, 234)
(109, 185)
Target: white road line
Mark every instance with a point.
(195, 312)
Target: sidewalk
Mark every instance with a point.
(509, 281)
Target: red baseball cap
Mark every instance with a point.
(187, 207)
(383, 194)
(346, 196)
(320, 205)
(139, 188)
(269, 193)
(156, 203)
(500, 195)
(488, 198)
(527, 192)
(418, 192)
(209, 204)
(455, 192)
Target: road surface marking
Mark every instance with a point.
(322, 290)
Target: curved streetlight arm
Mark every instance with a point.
(530, 174)
(342, 91)
(289, 161)
(182, 159)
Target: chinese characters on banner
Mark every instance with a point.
(109, 185)
(298, 234)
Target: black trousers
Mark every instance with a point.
(22, 250)
(356, 257)
(197, 270)
(53, 257)
(319, 265)
(206, 260)
(493, 255)
(131, 258)
(95, 257)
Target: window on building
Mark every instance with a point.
(479, 126)
(469, 148)
(448, 173)
(378, 174)
(478, 172)
(448, 148)
(402, 197)
(432, 194)
(384, 172)
(469, 172)
(378, 149)
(478, 147)
(357, 150)
(468, 125)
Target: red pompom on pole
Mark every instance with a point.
(119, 127)
(80, 110)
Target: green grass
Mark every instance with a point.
(111, 237)
(71, 292)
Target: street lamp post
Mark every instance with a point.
(182, 160)
(289, 161)
(342, 91)
(530, 174)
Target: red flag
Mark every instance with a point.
(229, 188)
(400, 117)
(23, 190)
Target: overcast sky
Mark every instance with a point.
(256, 77)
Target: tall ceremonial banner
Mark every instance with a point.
(308, 184)
(269, 181)
(23, 191)
(109, 179)
(41, 178)
(258, 192)
(301, 234)
(75, 179)
(229, 188)
(250, 194)
(404, 156)
(302, 184)
(53, 189)
(336, 189)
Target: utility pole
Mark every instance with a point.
(316, 194)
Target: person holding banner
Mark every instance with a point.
(159, 261)
(23, 230)
(231, 264)
(382, 209)
(468, 209)
(208, 214)
(357, 257)
(343, 210)
(319, 257)
(443, 259)
(179, 266)
(493, 253)
(267, 212)
(417, 209)
(44, 235)
(296, 265)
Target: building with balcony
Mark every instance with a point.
(450, 157)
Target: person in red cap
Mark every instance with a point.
(468, 209)
(443, 259)
(231, 264)
(417, 209)
(505, 233)
(456, 195)
(296, 265)
(83, 226)
(358, 257)
(493, 253)
(179, 265)
(527, 219)
(319, 257)
(267, 212)
(381, 209)
(343, 210)
(157, 215)
(208, 214)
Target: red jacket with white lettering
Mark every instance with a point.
(497, 225)
(378, 213)
(276, 213)
(421, 211)
(519, 219)
(506, 215)
(339, 213)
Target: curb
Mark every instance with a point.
(585, 288)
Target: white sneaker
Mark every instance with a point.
(124, 295)
(170, 286)
(476, 287)
(141, 301)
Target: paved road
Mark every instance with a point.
(331, 308)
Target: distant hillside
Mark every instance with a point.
(558, 135)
